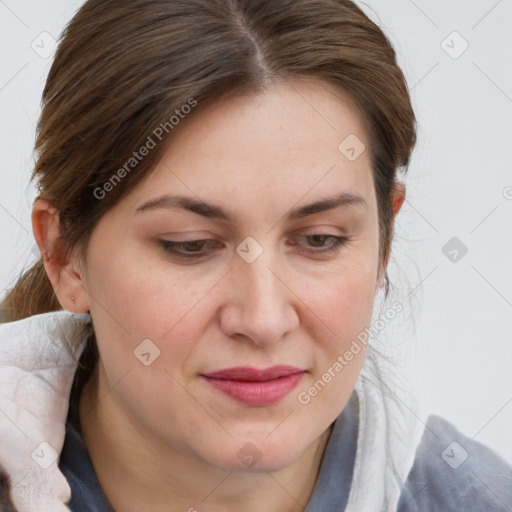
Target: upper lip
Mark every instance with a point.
(248, 373)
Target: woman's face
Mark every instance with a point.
(269, 286)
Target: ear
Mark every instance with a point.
(397, 200)
(63, 268)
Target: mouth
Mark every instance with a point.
(253, 386)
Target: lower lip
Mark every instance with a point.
(258, 393)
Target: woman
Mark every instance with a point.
(218, 187)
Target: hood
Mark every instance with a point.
(38, 360)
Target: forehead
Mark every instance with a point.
(275, 147)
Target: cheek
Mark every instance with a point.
(343, 314)
(134, 303)
(131, 305)
(340, 311)
(343, 298)
(141, 298)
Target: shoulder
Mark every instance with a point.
(452, 472)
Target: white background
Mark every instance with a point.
(455, 334)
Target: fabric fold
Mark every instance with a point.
(389, 434)
(38, 360)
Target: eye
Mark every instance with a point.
(316, 243)
(189, 248)
(322, 243)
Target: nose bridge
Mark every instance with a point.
(262, 310)
(263, 293)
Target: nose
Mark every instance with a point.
(261, 305)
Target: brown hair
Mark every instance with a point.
(124, 67)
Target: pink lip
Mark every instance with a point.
(257, 387)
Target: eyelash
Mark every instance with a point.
(170, 246)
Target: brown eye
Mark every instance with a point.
(187, 249)
(326, 243)
(318, 240)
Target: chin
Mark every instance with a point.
(257, 454)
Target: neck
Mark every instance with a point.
(136, 471)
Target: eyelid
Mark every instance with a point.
(337, 243)
(210, 241)
(183, 236)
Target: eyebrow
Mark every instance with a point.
(213, 211)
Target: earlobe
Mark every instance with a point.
(380, 278)
(398, 197)
(61, 267)
(397, 200)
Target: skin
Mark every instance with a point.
(159, 434)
